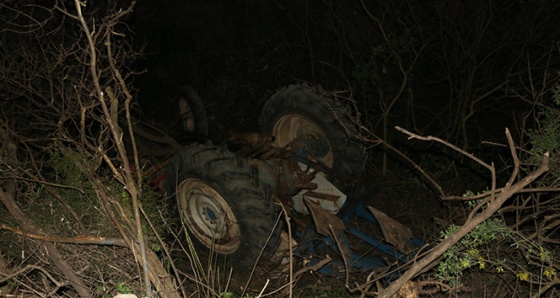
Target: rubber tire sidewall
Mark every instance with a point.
(197, 110)
(320, 107)
(250, 200)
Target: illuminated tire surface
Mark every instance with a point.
(325, 123)
(192, 111)
(226, 210)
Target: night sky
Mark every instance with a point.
(462, 71)
(457, 69)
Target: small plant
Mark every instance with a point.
(123, 288)
(226, 295)
(231, 295)
(524, 259)
(546, 138)
(468, 252)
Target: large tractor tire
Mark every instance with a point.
(188, 124)
(324, 123)
(191, 109)
(228, 213)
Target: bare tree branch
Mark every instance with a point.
(492, 206)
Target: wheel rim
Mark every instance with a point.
(208, 216)
(296, 127)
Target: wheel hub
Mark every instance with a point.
(208, 216)
(313, 142)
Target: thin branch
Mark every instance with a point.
(492, 206)
(74, 240)
(30, 268)
(498, 190)
(412, 135)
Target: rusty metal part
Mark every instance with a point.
(330, 225)
(393, 231)
(325, 222)
(251, 138)
(257, 146)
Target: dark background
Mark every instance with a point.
(460, 70)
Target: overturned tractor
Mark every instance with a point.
(309, 155)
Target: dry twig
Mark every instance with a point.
(493, 204)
